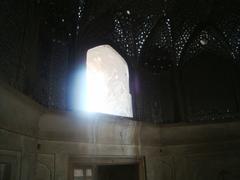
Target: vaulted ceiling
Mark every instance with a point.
(165, 44)
(154, 34)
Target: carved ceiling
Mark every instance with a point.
(153, 34)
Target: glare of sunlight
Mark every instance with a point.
(107, 82)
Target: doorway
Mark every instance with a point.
(118, 172)
(106, 169)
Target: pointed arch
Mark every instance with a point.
(107, 79)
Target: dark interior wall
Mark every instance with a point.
(157, 97)
(55, 46)
(34, 47)
(204, 89)
(18, 43)
(210, 88)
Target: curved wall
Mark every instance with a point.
(18, 133)
(39, 144)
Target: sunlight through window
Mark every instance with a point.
(107, 82)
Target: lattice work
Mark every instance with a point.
(143, 31)
(123, 32)
(182, 40)
(230, 27)
(206, 40)
(174, 30)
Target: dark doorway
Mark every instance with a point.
(5, 171)
(118, 172)
(106, 168)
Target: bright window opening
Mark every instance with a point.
(107, 82)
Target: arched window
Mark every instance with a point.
(107, 82)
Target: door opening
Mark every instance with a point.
(106, 169)
(118, 172)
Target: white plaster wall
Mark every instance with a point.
(18, 133)
(171, 152)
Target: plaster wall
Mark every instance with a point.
(170, 152)
(18, 133)
(181, 151)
